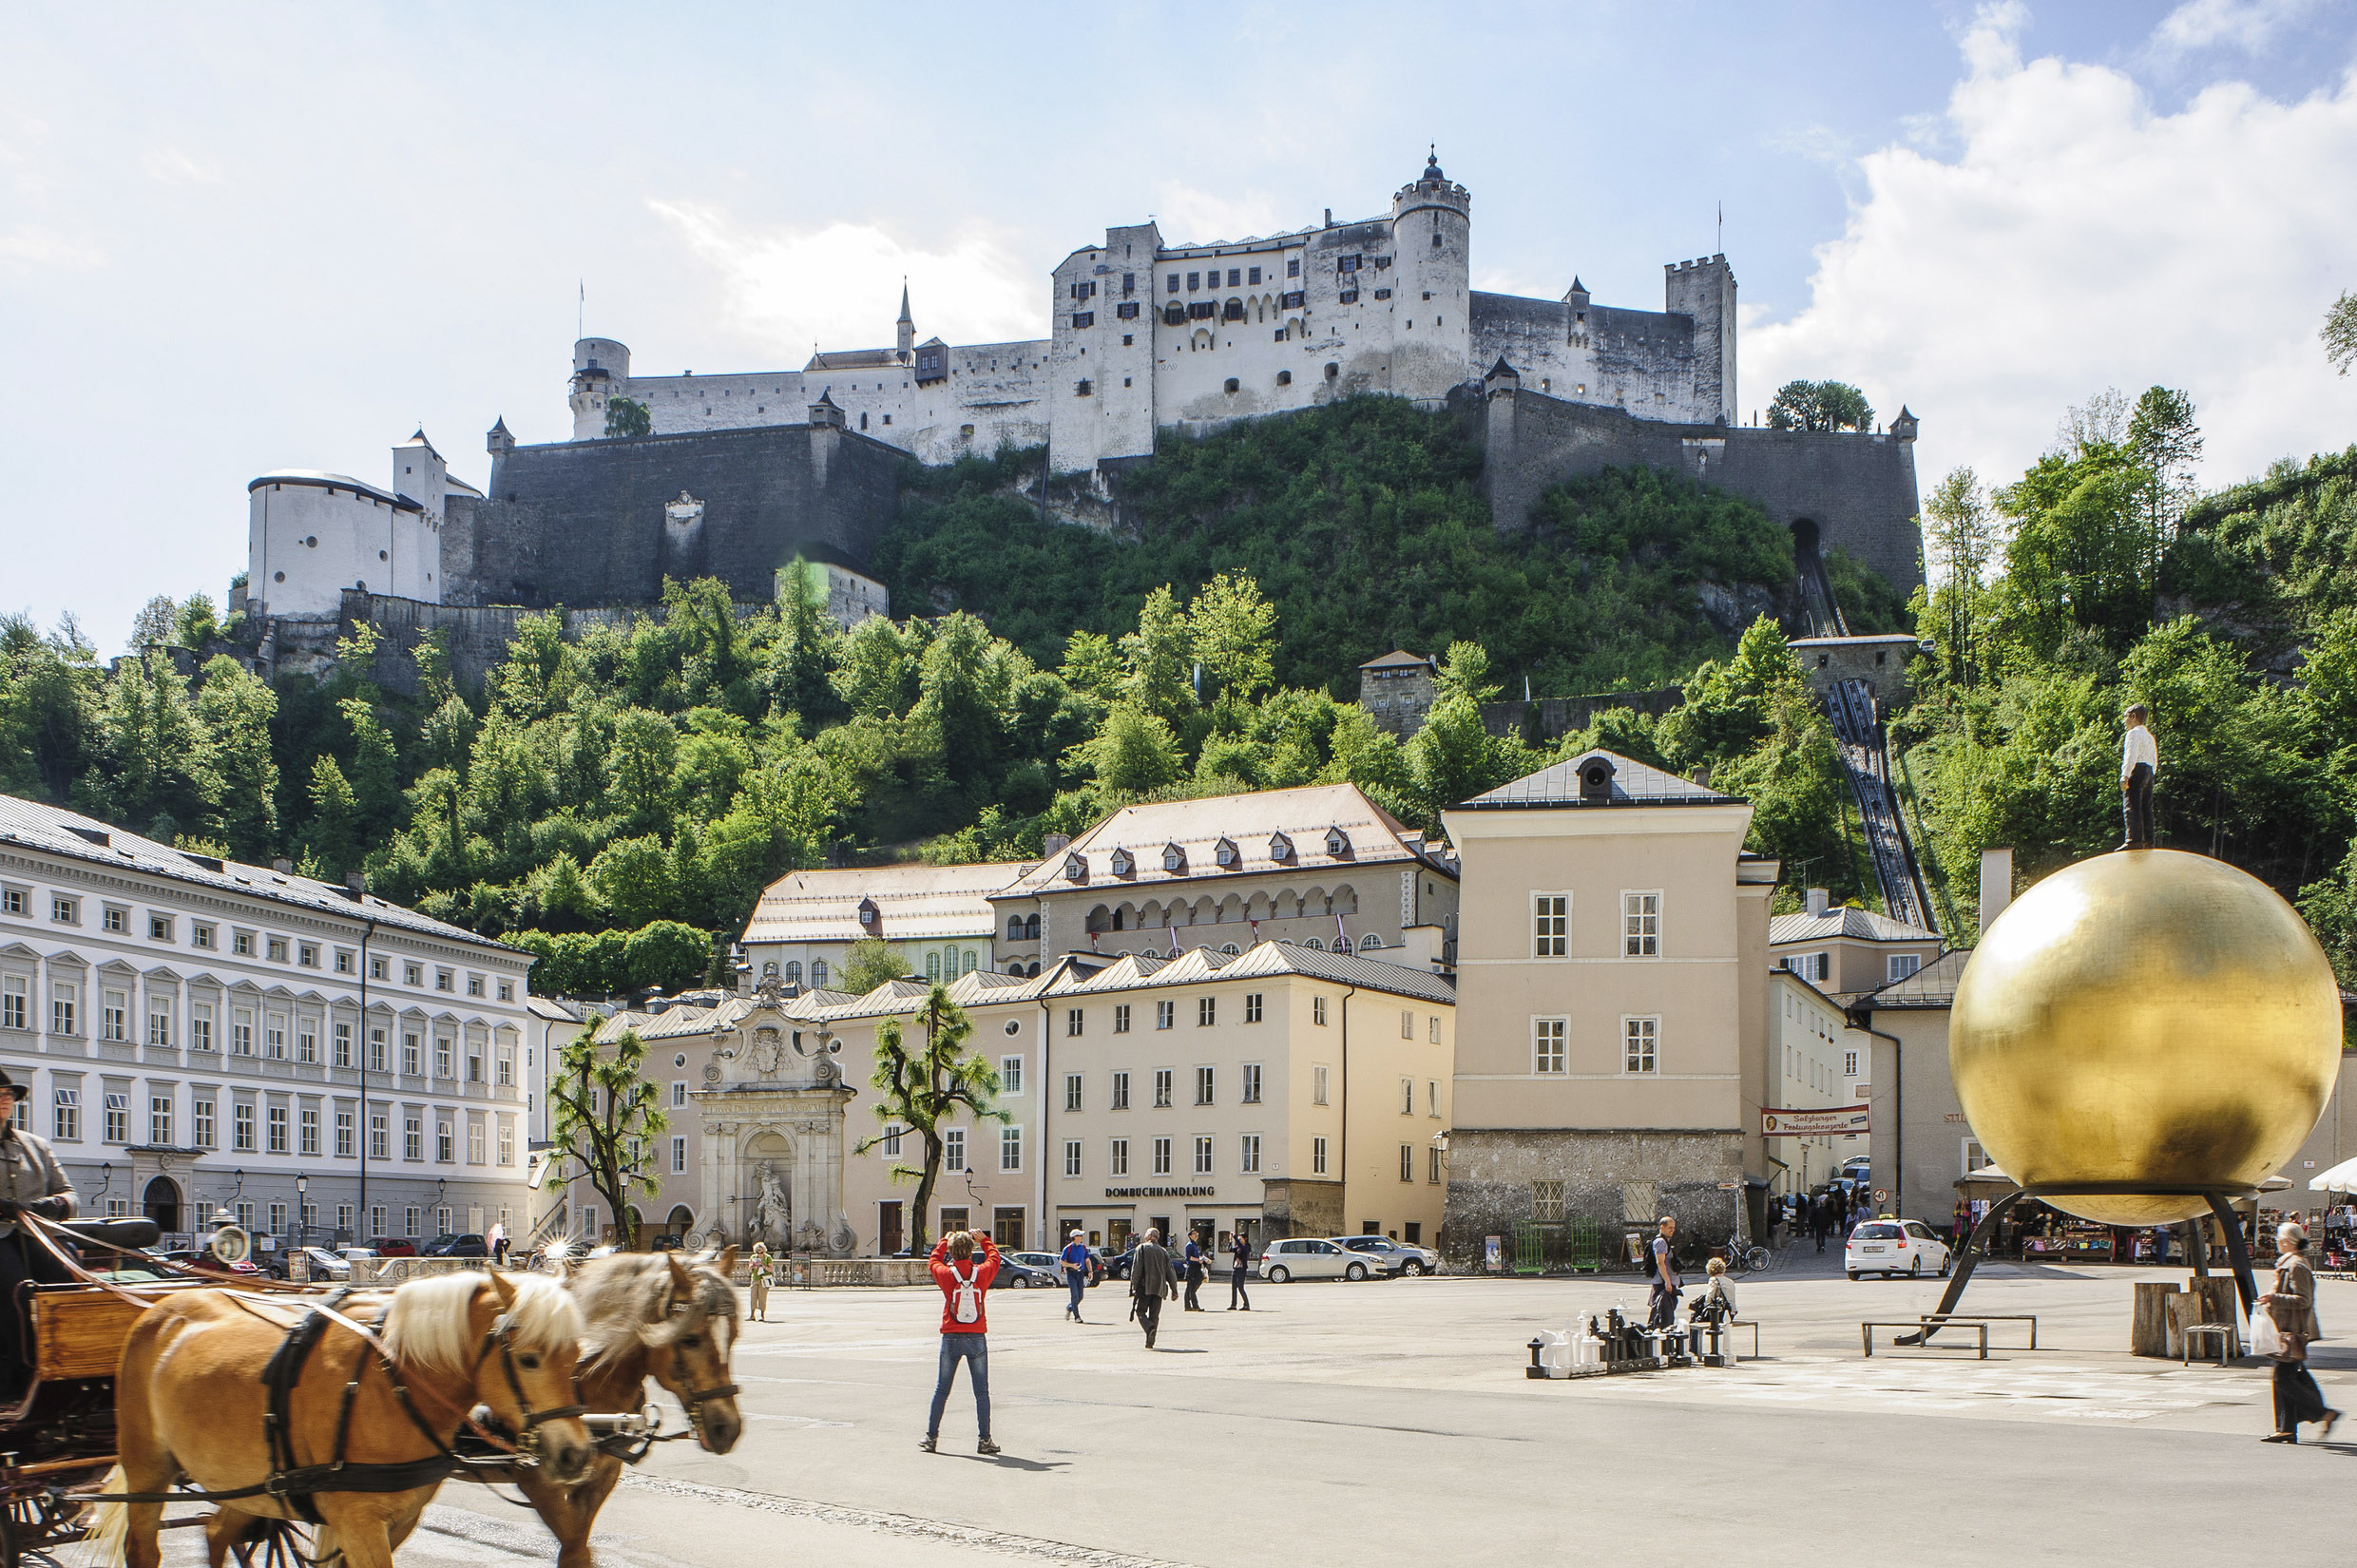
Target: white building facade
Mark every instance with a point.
(193, 1034)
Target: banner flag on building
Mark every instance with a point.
(1821, 1121)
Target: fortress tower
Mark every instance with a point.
(1431, 239)
(600, 366)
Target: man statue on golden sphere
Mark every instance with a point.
(2157, 1019)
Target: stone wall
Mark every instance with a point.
(585, 522)
(1624, 1180)
(1858, 490)
(1552, 717)
(1300, 1208)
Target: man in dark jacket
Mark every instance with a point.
(1151, 1283)
(1198, 1264)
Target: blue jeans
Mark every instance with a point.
(974, 1349)
(1076, 1281)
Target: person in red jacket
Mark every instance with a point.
(965, 1281)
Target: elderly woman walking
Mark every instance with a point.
(2291, 1306)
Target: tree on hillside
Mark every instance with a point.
(1235, 634)
(924, 1088)
(608, 1119)
(1820, 406)
(157, 624)
(1160, 658)
(2166, 444)
(627, 416)
(871, 963)
(1962, 538)
(2340, 332)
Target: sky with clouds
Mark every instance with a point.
(254, 236)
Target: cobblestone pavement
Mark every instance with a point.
(1391, 1423)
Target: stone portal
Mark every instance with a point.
(772, 1103)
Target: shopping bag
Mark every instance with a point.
(2264, 1340)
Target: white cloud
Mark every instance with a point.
(2079, 239)
(33, 248)
(172, 166)
(2245, 25)
(838, 284)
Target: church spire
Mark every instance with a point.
(907, 324)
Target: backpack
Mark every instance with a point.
(966, 1305)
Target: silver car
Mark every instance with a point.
(1306, 1257)
(1396, 1257)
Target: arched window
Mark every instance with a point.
(818, 973)
(794, 974)
(970, 961)
(1230, 948)
(1014, 928)
(932, 965)
(769, 971)
(1369, 942)
(1314, 943)
(1031, 930)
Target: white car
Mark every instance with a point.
(1305, 1257)
(1888, 1247)
(1395, 1258)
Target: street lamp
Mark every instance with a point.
(302, 1209)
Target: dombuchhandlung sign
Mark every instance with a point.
(1823, 1121)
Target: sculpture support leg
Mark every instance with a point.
(2244, 1281)
(1974, 1245)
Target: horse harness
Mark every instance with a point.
(296, 1484)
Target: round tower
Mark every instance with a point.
(601, 371)
(1431, 250)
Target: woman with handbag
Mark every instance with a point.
(2291, 1314)
(761, 1278)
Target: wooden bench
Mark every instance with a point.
(1938, 1320)
(1866, 1329)
(2228, 1335)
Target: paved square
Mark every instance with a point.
(1391, 1423)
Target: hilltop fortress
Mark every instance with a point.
(744, 472)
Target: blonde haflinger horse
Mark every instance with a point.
(661, 1315)
(357, 1435)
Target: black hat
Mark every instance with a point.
(8, 1084)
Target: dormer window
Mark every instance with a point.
(1337, 842)
(1224, 853)
(1173, 858)
(1076, 868)
(867, 913)
(1125, 864)
(1281, 848)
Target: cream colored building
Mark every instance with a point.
(1321, 867)
(1613, 972)
(1816, 1061)
(1845, 951)
(938, 916)
(1283, 1090)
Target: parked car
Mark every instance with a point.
(1016, 1274)
(393, 1247)
(1398, 1257)
(665, 1244)
(1110, 1264)
(1888, 1247)
(455, 1246)
(1305, 1257)
(1053, 1263)
(324, 1264)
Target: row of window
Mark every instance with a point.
(279, 1129)
(1550, 1038)
(1640, 925)
(66, 909)
(1238, 277)
(1207, 1015)
(114, 1024)
(247, 1212)
(1818, 967)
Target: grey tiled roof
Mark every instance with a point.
(1633, 784)
(1865, 924)
(52, 831)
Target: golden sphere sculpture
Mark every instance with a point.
(2145, 1016)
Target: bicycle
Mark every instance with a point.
(1744, 1257)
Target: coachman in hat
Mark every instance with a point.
(32, 1181)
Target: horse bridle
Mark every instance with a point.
(502, 1336)
(694, 1398)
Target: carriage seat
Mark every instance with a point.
(129, 1234)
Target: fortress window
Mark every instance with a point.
(1436, 239)
(1235, 310)
(1194, 280)
(1232, 277)
(1173, 315)
(1254, 276)
(1202, 310)
(1332, 370)
(1284, 379)
(888, 419)
(1293, 266)
(1081, 291)
(1385, 293)
(1349, 296)
(1084, 318)
(1129, 282)
(1294, 301)
(1126, 310)
(1173, 284)
(312, 541)
(1346, 264)
(1381, 262)
(863, 421)
(1230, 387)
(1083, 388)
(279, 578)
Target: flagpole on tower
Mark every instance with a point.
(581, 315)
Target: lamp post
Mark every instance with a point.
(302, 1208)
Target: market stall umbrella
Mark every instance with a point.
(2341, 1178)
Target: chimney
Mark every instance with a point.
(1419, 948)
(1055, 844)
(1595, 779)
(1819, 901)
(355, 886)
(283, 866)
(1996, 885)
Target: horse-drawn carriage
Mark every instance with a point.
(360, 1411)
